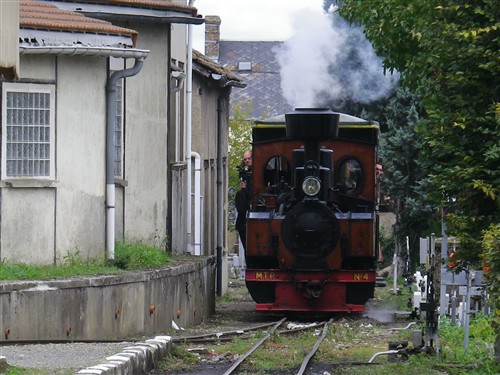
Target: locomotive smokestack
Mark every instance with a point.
(312, 125)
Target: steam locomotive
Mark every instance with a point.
(312, 229)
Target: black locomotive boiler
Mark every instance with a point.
(312, 235)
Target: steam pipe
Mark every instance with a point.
(110, 151)
(381, 353)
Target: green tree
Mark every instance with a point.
(404, 181)
(447, 51)
(240, 138)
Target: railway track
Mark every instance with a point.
(266, 331)
(235, 365)
(238, 339)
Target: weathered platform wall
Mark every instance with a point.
(108, 307)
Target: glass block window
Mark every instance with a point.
(117, 64)
(28, 131)
(119, 130)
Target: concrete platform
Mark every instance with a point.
(114, 307)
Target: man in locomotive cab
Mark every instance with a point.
(378, 178)
(378, 171)
(244, 195)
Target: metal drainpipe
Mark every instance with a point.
(179, 77)
(220, 192)
(110, 151)
(197, 203)
(188, 132)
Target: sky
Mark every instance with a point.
(256, 20)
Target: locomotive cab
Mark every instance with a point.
(311, 230)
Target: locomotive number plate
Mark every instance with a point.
(360, 276)
(265, 275)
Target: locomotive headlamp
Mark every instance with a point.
(311, 186)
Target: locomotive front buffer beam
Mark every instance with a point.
(338, 291)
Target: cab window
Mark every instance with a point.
(350, 176)
(276, 170)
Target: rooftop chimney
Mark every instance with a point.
(212, 37)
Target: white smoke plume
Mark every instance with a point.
(326, 59)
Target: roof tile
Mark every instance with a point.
(263, 80)
(204, 61)
(44, 16)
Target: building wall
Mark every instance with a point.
(9, 39)
(179, 41)
(145, 201)
(81, 160)
(205, 142)
(42, 222)
(176, 152)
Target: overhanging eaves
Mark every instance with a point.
(113, 13)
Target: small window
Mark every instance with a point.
(28, 124)
(350, 176)
(245, 65)
(277, 170)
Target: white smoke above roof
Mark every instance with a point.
(327, 59)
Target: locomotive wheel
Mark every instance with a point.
(261, 292)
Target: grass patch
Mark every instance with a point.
(401, 300)
(178, 359)
(139, 256)
(128, 256)
(282, 352)
(15, 370)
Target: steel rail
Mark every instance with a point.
(300, 329)
(255, 347)
(313, 351)
(218, 335)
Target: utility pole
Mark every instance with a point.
(430, 306)
(444, 256)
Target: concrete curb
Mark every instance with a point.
(133, 360)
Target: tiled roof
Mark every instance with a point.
(213, 67)
(44, 16)
(263, 80)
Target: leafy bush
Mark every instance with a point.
(491, 259)
(479, 350)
